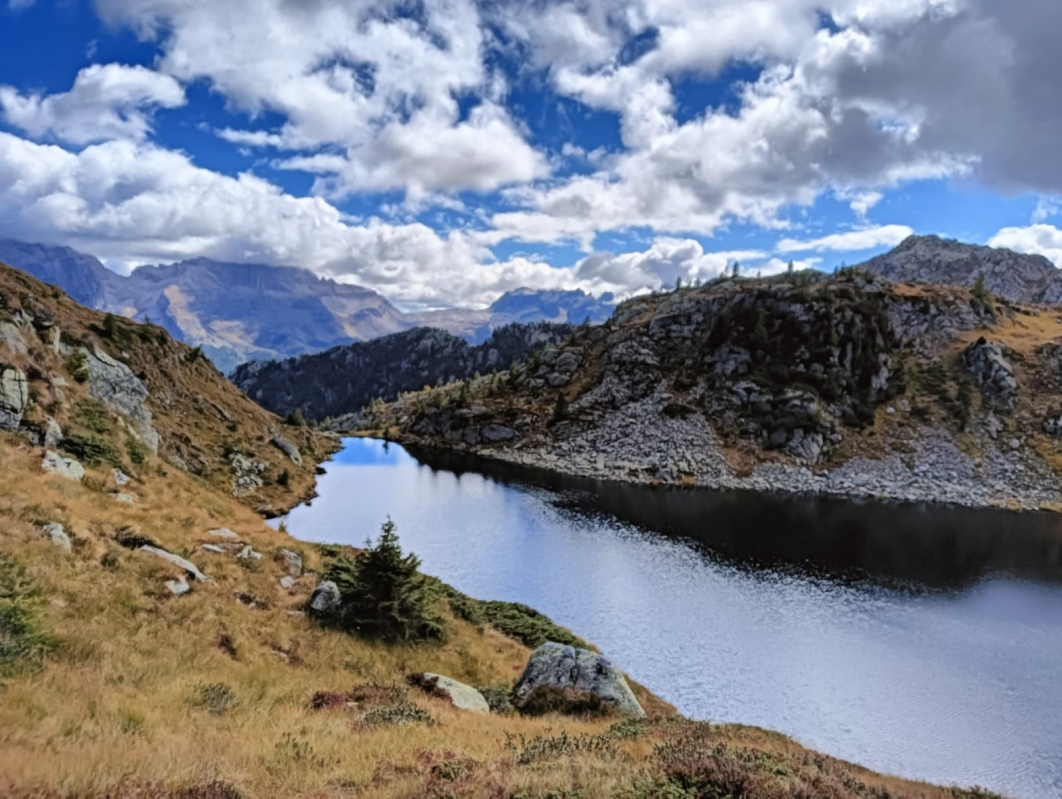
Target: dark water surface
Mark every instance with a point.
(916, 640)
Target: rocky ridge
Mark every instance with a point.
(844, 385)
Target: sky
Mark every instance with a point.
(443, 152)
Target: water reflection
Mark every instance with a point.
(778, 612)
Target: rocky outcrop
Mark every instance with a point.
(288, 449)
(993, 373)
(246, 474)
(461, 696)
(63, 467)
(326, 599)
(176, 560)
(1007, 274)
(559, 668)
(114, 384)
(14, 397)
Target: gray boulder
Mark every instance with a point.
(14, 397)
(53, 433)
(288, 449)
(63, 467)
(287, 581)
(178, 587)
(495, 433)
(11, 338)
(58, 535)
(461, 696)
(993, 374)
(246, 474)
(326, 598)
(559, 667)
(224, 532)
(176, 560)
(292, 562)
(114, 384)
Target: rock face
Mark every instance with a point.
(288, 449)
(993, 374)
(246, 474)
(559, 667)
(326, 598)
(461, 696)
(176, 560)
(14, 397)
(63, 467)
(58, 536)
(114, 384)
(1007, 274)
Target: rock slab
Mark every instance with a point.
(557, 666)
(14, 397)
(58, 535)
(176, 560)
(63, 467)
(114, 384)
(461, 696)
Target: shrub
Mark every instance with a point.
(194, 354)
(560, 410)
(77, 366)
(91, 449)
(384, 594)
(498, 698)
(296, 418)
(216, 697)
(405, 713)
(23, 642)
(136, 451)
(284, 478)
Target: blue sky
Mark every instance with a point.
(445, 151)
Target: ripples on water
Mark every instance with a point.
(925, 642)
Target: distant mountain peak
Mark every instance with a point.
(931, 259)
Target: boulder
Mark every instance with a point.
(495, 433)
(176, 560)
(461, 696)
(224, 532)
(58, 535)
(14, 397)
(178, 587)
(326, 598)
(993, 374)
(53, 433)
(63, 467)
(246, 474)
(11, 338)
(564, 668)
(114, 384)
(120, 478)
(292, 562)
(287, 581)
(288, 449)
(248, 554)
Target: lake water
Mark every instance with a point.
(919, 641)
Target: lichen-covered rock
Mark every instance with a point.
(11, 338)
(461, 696)
(63, 467)
(58, 535)
(176, 560)
(559, 667)
(246, 474)
(326, 599)
(114, 384)
(288, 449)
(14, 397)
(292, 562)
(993, 374)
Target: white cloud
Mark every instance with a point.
(1045, 240)
(106, 102)
(855, 240)
(1046, 207)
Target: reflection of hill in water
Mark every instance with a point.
(938, 547)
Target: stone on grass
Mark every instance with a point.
(292, 562)
(53, 433)
(224, 532)
(178, 587)
(287, 581)
(214, 548)
(248, 554)
(288, 449)
(326, 598)
(561, 668)
(58, 535)
(461, 696)
(176, 560)
(63, 467)
(120, 478)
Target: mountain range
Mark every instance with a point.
(243, 312)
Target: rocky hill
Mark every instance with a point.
(102, 389)
(1007, 274)
(243, 312)
(345, 379)
(845, 384)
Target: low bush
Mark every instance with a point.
(91, 449)
(23, 641)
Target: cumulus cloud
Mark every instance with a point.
(854, 240)
(1045, 240)
(106, 102)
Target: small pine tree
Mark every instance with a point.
(296, 418)
(110, 325)
(383, 593)
(736, 270)
(982, 294)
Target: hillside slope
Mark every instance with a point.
(844, 384)
(344, 380)
(154, 634)
(90, 375)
